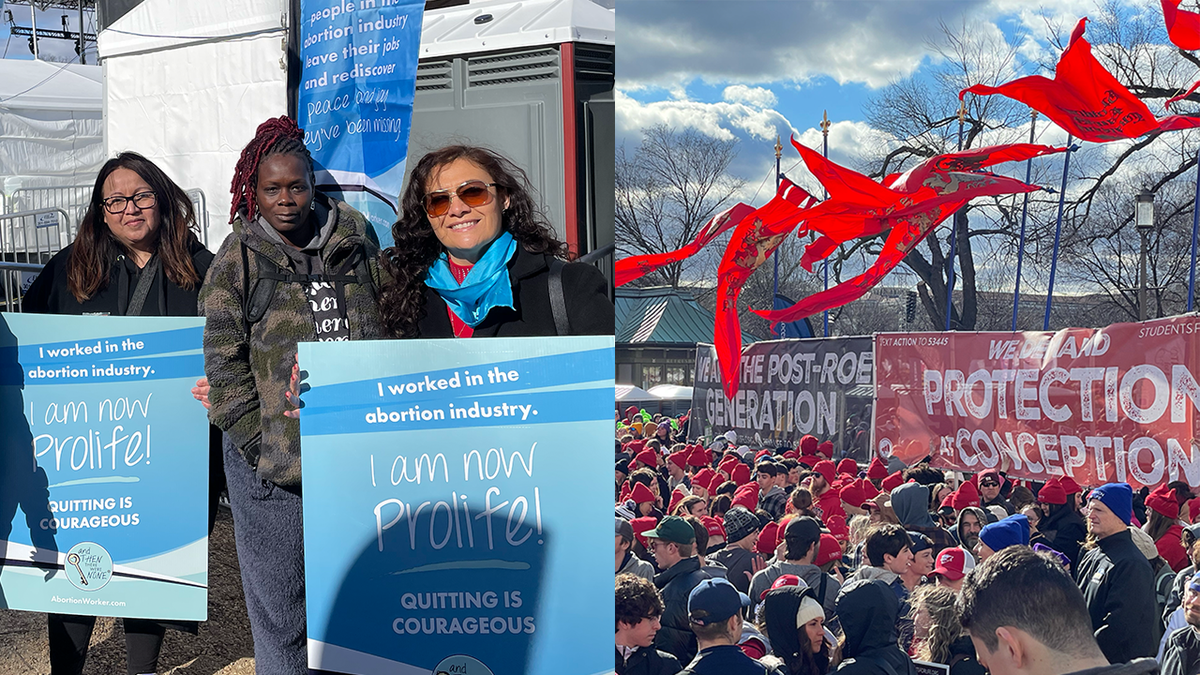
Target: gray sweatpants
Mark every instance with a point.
(270, 546)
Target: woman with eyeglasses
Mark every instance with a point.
(135, 254)
(474, 257)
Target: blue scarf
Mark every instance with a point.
(486, 286)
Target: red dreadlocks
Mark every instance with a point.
(276, 136)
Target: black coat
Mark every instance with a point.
(1064, 532)
(1118, 585)
(675, 636)
(589, 311)
(1182, 655)
(867, 610)
(648, 661)
(49, 293)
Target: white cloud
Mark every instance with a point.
(752, 96)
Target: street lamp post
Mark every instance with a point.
(1144, 219)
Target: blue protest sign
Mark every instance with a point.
(356, 98)
(457, 505)
(104, 476)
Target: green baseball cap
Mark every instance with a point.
(673, 528)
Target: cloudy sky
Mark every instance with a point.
(752, 69)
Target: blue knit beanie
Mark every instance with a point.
(1012, 531)
(1118, 497)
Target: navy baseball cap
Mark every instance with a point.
(715, 600)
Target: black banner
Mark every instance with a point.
(789, 388)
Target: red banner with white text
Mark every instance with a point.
(1115, 404)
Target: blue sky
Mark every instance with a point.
(50, 49)
(789, 61)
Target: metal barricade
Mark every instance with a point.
(3, 202)
(15, 278)
(200, 204)
(69, 198)
(33, 236)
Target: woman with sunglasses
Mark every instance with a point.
(136, 254)
(474, 257)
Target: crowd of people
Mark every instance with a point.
(794, 561)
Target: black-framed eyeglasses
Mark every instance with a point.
(473, 193)
(989, 485)
(116, 205)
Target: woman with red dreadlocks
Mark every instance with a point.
(299, 266)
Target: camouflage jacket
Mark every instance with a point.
(249, 371)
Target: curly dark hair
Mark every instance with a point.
(637, 599)
(402, 300)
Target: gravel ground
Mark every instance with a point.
(223, 646)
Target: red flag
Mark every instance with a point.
(1085, 99)
(913, 205)
(638, 266)
(755, 239)
(1182, 27)
(859, 211)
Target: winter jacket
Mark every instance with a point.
(998, 501)
(589, 311)
(868, 610)
(1182, 656)
(249, 374)
(1118, 585)
(957, 531)
(738, 561)
(911, 504)
(1064, 531)
(636, 566)
(809, 574)
(50, 294)
(647, 661)
(1175, 598)
(963, 660)
(726, 660)
(774, 502)
(675, 584)
(1170, 547)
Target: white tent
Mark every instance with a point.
(188, 83)
(51, 126)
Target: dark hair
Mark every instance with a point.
(684, 507)
(1157, 524)
(402, 301)
(924, 474)
(727, 488)
(1030, 591)
(797, 547)
(801, 499)
(721, 504)
(881, 540)
(701, 534)
(788, 464)
(637, 599)
(768, 468)
(712, 631)
(276, 136)
(95, 247)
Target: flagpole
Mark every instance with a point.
(1195, 232)
(962, 112)
(825, 124)
(1062, 195)
(778, 154)
(1024, 212)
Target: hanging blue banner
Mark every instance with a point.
(356, 99)
(104, 476)
(456, 505)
